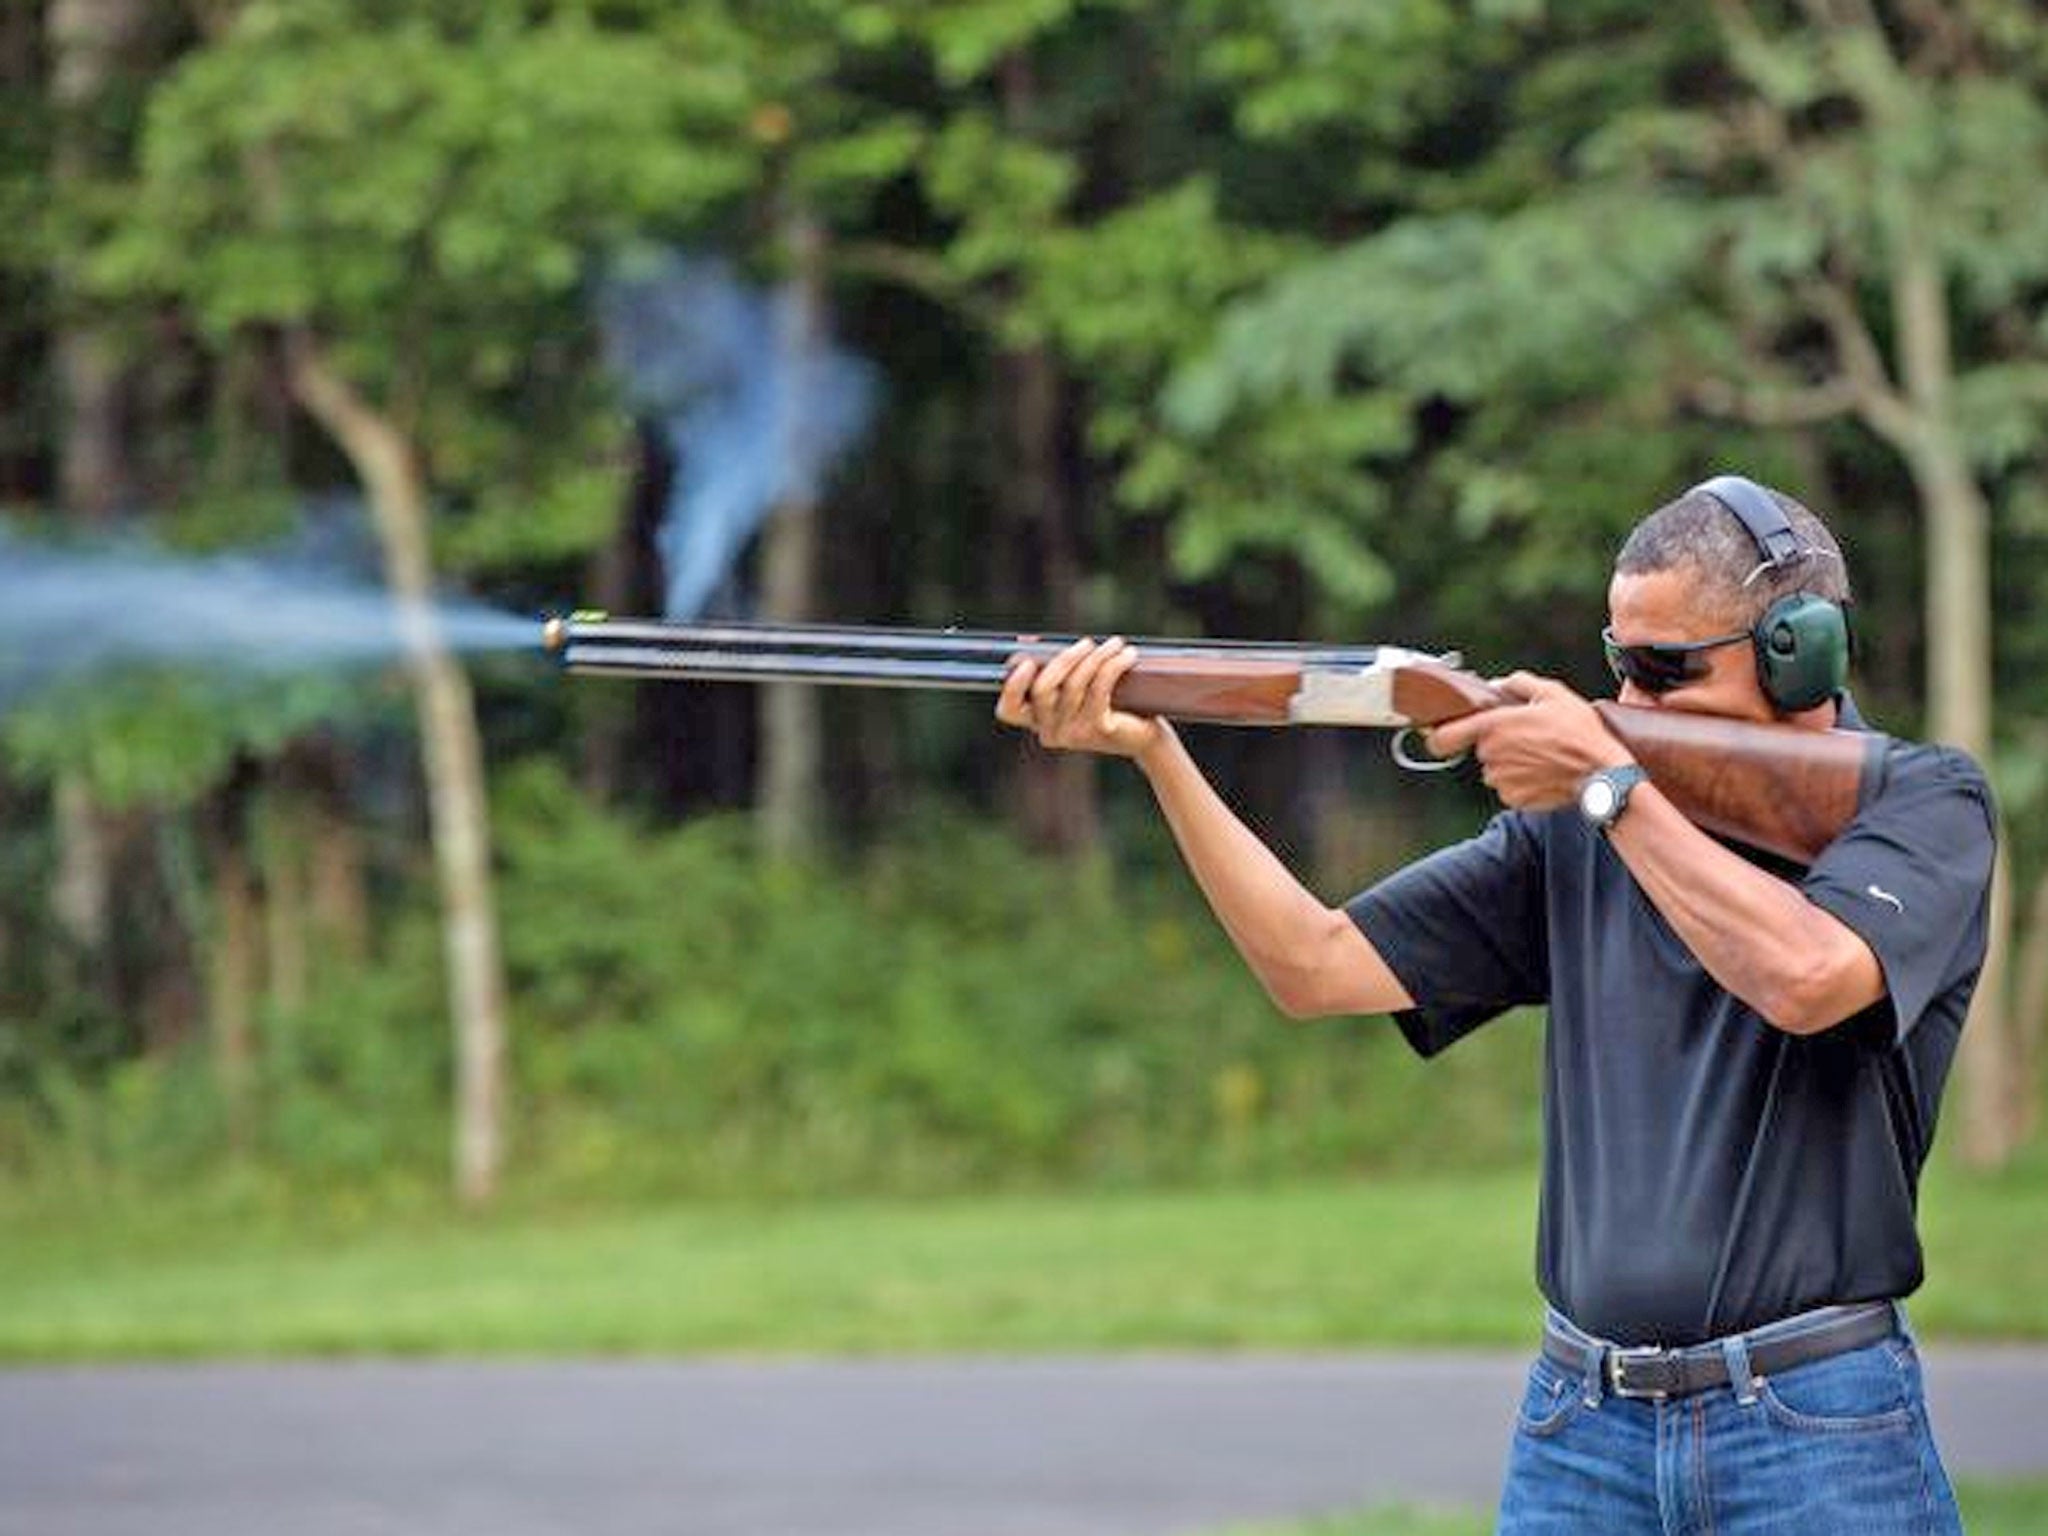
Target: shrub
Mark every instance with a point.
(946, 1011)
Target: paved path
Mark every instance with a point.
(1114, 1447)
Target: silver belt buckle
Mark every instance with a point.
(1618, 1361)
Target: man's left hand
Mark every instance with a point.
(1533, 754)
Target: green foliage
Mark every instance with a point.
(1005, 191)
(949, 1012)
(1118, 297)
(967, 37)
(507, 149)
(557, 519)
(1298, 68)
(143, 736)
(1460, 306)
(348, 1091)
(515, 146)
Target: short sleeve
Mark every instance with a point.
(1464, 930)
(1911, 876)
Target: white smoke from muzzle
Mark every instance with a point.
(754, 409)
(73, 609)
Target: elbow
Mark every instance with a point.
(1294, 992)
(1811, 1001)
(1789, 1012)
(1309, 979)
(1826, 979)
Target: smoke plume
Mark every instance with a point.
(66, 611)
(754, 411)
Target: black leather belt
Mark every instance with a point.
(1656, 1373)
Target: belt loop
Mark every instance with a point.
(1735, 1353)
(1591, 1384)
(1899, 1321)
(1592, 1379)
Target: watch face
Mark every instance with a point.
(1597, 799)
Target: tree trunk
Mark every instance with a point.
(1993, 1091)
(789, 783)
(287, 896)
(1958, 554)
(157, 937)
(86, 40)
(234, 971)
(234, 975)
(2030, 995)
(81, 894)
(389, 468)
(338, 895)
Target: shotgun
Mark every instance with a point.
(1786, 790)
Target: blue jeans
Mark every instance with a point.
(1836, 1447)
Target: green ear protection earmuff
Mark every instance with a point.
(1802, 641)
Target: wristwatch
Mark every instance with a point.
(1603, 794)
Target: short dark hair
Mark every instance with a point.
(1700, 536)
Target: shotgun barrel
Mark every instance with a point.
(1225, 682)
(588, 642)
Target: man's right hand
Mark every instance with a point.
(1064, 701)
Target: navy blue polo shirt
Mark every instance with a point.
(1703, 1171)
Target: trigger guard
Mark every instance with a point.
(1399, 748)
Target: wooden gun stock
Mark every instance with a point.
(1783, 789)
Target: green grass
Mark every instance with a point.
(1409, 1261)
(1989, 1509)
(1300, 1266)
(2004, 1509)
(1987, 1253)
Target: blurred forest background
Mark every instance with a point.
(1257, 318)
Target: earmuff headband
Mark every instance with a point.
(1758, 511)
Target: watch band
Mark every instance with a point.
(1621, 782)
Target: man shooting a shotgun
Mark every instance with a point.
(1743, 1060)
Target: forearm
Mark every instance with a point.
(1758, 936)
(1310, 958)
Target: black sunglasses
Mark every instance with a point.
(1661, 668)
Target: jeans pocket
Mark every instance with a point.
(1859, 1392)
(1549, 1402)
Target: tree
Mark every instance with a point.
(93, 45)
(418, 292)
